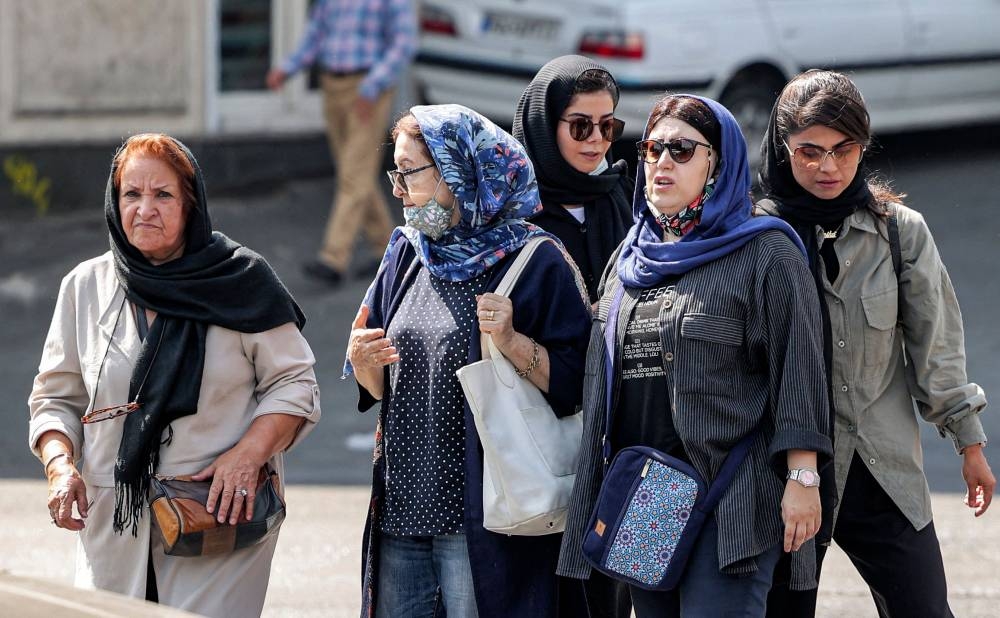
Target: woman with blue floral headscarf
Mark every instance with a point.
(467, 188)
(715, 341)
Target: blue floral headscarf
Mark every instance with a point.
(726, 221)
(495, 189)
(494, 185)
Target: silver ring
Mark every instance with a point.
(243, 492)
(491, 315)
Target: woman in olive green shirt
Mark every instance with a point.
(874, 295)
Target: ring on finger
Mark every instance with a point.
(243, 491)
(492, 313)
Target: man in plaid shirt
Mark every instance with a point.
(362, 47)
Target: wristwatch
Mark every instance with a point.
(807, 477)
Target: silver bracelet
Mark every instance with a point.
(45, 468)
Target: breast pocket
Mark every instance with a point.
(880, 328)
(711, 350)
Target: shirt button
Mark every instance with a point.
(847, 262)
(667, 304)
(841, 343)
(844, 388)
(668, 356)
(872, 461)
(851, 428)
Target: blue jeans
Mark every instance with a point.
(413, 568)
(703, 591)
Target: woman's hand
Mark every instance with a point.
(234, 482)
(369, 350)
(801, 512)
(66, 487)
(978, 478)
(496, 318)
(236, 472)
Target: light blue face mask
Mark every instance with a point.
(432, 219)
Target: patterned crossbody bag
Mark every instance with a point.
(651, 506)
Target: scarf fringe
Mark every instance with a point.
(130, 498)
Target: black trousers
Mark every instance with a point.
(607, 597)
(902, 566)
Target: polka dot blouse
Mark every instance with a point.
(424, 428)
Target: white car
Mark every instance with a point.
(919, 63)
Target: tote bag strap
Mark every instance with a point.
(506, 286)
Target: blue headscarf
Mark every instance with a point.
(726, 221)
(495, 189)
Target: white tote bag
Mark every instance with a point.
(529, 454)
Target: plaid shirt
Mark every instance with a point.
(377, 36)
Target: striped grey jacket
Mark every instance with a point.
(741, 346)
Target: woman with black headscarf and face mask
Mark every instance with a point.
(565, 119)
(175, 353)
(881, 283)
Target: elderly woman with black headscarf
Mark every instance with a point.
(566, 121)
(466, 187)
(177, 352)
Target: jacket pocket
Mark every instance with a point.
(710, 353)
(880, 311)
(714, 328)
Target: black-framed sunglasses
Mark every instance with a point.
(581, 127)
(397, 178)
(681, 149)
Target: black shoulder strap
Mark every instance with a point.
(892, 227)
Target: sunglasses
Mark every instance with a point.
(681, 150)
(813, 157)
(581, 127)
(397, 178)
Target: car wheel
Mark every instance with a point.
(750, 100)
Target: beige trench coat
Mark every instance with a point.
(245, 376)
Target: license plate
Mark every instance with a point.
(516, 26)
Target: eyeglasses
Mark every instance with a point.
(397, 178)
(106, 414)
(681, 150)
(813, 157)
(581, 127)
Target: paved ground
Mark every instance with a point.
(316, 568)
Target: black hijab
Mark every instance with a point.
(796, 205)
(216, 281)
(535, 122)
(607, 197)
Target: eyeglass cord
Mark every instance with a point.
(111, 337)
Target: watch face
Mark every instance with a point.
(808, 477)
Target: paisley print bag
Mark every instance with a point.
(651, 506)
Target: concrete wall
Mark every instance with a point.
(95, 70)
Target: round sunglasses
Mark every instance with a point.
(681, 149)
(580, 128)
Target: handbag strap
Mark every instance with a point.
(733, 460)
(506, 286)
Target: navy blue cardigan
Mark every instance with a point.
(513, 576)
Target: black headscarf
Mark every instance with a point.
(216, 281)
(607, 197)
(535, 122)
(796, 205)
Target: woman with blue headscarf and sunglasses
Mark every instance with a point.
(466, 187)
(715, 341)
